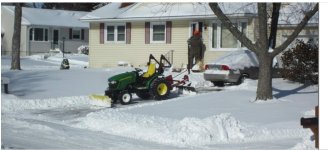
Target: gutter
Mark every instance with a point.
(313, 25)
(161, 18)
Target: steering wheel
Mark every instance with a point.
(139, 71)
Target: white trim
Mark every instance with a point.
(149, 19)
(115, 32)
(151, 32)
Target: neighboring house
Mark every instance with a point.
(129, 32)
(43, 30)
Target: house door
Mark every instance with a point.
(55, 39)
(196, 26)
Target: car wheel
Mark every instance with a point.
(125, 97)
(160, 89)
(145, 95)
(218, 83)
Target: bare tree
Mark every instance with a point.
(71, 6)
(261, 46)
(15, 61)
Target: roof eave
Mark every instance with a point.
(314, 25)
(159, 18)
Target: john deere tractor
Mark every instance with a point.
(149, 85)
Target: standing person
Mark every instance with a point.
(196, 50)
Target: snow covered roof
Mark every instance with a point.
(293, 13)
(49, 17)
(155, 11)
(290, 13)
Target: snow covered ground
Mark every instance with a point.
(48, 108)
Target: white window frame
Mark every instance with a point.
(44, 34)
(152, 31)
(219, 48)
(80, 34)
(115, 32)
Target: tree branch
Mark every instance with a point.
(297, 30)
(263, 26)
(274, 24)
(234, 30)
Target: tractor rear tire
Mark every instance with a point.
(143, 94)
(160, 89)
(125, 97)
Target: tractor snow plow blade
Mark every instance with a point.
(188, 88)
(100, 100)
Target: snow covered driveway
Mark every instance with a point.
(49, 109)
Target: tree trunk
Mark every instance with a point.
(15, 54)
(264, 85)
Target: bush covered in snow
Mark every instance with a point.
(300, 63)
(83, 49)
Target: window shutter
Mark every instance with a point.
(128, 33)
(82, 34)
(168, 32)
(147, 32)
(70, 33)
(101, 34)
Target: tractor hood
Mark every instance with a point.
(123, 77)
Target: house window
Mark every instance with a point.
(76, 34)
(158, 32)
(222, 38)
(38, 34)
(115, 33)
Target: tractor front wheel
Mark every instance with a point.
(160, 89)
(125, 97)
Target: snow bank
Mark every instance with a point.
(307, 142)
(74, 59)
(186, 132)
(13, 103)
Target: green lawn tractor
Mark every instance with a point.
(149, 85)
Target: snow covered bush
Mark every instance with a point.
(300, 63)
(83, 49)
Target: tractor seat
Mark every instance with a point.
(151, 70)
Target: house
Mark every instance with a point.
(43, 30)
(129, 32)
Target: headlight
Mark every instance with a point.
(113, 82)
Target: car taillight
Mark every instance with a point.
(206, 67)
(225, 67)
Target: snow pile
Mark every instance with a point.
(307, 142)
(238, 59)
(13, 103)
(74, 59)
(196, 79)
(186, 132)
(83, 49)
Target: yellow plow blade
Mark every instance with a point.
(100, 100)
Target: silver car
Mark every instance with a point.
(232, 67)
